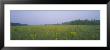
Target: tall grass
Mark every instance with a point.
(56, 32)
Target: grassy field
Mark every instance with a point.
(56, 32)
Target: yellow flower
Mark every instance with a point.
(73, 33)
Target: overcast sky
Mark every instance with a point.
(38, 17)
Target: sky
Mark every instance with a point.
(41, 17)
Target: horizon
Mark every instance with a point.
(56, 23)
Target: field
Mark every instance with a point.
(56, 32)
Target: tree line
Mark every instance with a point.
(18, 24)
(83, 22)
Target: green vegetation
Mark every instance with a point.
(83, 22)
(56, 32)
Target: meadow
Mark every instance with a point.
(56, 32)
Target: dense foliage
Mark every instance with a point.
(83, 22)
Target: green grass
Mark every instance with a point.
(56, 32)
